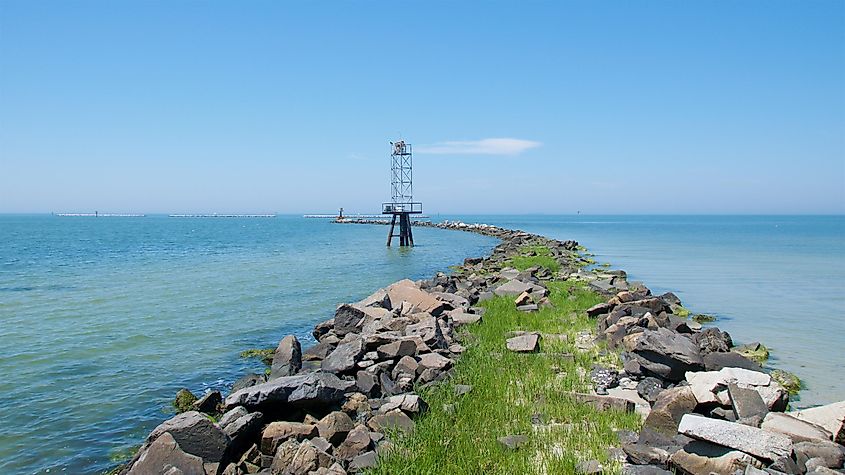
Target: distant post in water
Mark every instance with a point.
(401, 204)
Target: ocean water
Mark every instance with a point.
(102, 320)
(779, 280)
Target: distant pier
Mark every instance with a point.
(215, 215)
(99, 215)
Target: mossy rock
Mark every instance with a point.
(756, 352)
(681, 311)
(788, 380)
(702, 318)
(265, 355)
(184, 400)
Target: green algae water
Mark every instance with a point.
(102, 320)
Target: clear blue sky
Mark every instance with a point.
(607, 107)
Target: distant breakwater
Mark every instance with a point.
(707, 406)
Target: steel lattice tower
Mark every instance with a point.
(401, 193)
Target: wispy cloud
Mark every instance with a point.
(500, 146)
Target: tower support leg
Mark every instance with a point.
(390, 232)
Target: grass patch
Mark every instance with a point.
(508, 390)
(531, 256)
(265, 355)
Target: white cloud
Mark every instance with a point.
(501, 146)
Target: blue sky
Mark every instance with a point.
(513, 107)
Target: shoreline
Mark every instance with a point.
(372, 357)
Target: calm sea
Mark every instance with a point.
(102, 320)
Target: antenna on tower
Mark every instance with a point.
(401, 203)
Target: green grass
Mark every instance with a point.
(542, 258)
(508, 388)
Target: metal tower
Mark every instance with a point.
(402, 203)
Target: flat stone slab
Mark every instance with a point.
(528, 343)
(604, 403)
(747, 403)
(512, 288)
(461, 318)
(751, 440)
(301, 390)
(794, 428)
(831, 417)
(513, 442)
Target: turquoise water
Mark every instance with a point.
(775, 279)
(102, 320)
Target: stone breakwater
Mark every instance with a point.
(333, 408)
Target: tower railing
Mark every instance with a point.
(407, 207)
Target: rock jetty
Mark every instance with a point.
(332, 408)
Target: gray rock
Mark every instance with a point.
(757, 442)
(195, 434)
(512, 288)
(429, 331)
(319, 351)
(306, 390)
(243, 431)
(649, 388)
(513, 442)
(461, 389)
(396, 349)
(435, 361)
(283, 456)
(747, 403)
(348, 319)
(420, 301)
(643, 454)
(461, 318)
(528, 343)
(832, 453)
(164, 454)
(248, 381)
(667, 354)
(367, 383)
(794, 428)
(364, 461)
(589, 467)
(335, 426)
(393, 420)
(531, 307)
(410, 403)
(287, 360)
(345, 356)
(628, 469)
(231, 416)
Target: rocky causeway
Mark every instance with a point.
(706, 406)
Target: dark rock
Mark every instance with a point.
(348, 319)
(243, 431)
(231, 416)
(731, 359)
(367, 383)
(712, 340)
(513, 442)
(667, 354)
(605, 378)
(248, 381)
(649, 388)
(335, 426)
(747, 404)
(387, 385)
(319, 351)
(429, 331)
(833, 454)
(599, 309)
(345, 356)
(287, 360)
(209, 403)
(195, 434)
(165, 454)
(306, 390)
(323, 328)
(668, 409)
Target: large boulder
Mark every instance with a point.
(195, 434)
(667, 354)
(420, 301)
(306, 390)
(287, 360)
(277, 432)
(710, 387)
(513, 288)
(751, 440)
(335, 426)
(730, 359)
(429, 331)
(348, 319)
(163, 455)
(357, 442)
(669, 407)
(749, 407)
(345, 356)
(794, 428)
(831, 417)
